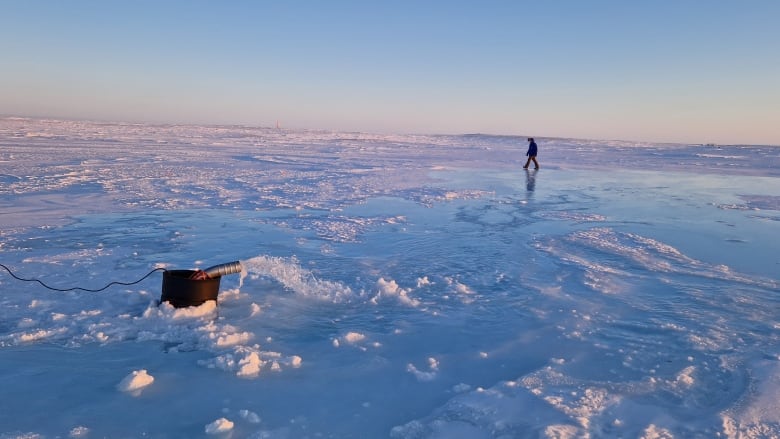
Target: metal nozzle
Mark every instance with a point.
(224, 269)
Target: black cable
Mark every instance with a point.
(79, 288)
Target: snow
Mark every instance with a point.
(221, 425)
(393, 286)
(135, 382)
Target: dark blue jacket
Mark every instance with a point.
(531, 149)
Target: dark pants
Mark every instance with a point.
(531, 157)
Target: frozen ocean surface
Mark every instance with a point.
(393, 286)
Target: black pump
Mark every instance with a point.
(181, 291)
(183, 288)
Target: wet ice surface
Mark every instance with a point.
(404, 286)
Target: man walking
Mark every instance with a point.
(531, 154)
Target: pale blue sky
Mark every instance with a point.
(678, 70)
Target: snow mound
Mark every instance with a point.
(135, 382)
(221, 425)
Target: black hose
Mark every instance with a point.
(79, 288)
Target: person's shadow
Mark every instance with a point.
(530, 179)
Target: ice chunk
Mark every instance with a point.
(221, 425)
(135, 382)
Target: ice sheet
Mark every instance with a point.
(394, 286)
